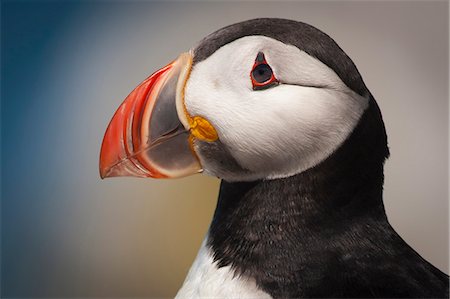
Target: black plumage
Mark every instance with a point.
(323, 232)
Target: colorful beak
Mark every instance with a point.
(149, 135)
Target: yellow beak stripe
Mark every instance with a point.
(199, 127)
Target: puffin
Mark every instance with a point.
(279, 112)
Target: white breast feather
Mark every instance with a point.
(206, 280)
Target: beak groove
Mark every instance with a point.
(148, 135)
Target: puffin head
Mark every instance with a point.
(261, 99)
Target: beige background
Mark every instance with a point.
(129, 237)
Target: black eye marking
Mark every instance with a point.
(260, 57)
(262, 75)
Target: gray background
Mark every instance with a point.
(66, 68)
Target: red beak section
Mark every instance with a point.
(147, 136)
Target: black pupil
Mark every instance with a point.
(262, 73)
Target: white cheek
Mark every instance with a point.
(287, 129)
(279, 131)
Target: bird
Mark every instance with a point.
(279, 112)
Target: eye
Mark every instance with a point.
(262, 75)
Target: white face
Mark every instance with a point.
(279, 131)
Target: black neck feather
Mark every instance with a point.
(274, 230)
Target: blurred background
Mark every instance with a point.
(66, 67)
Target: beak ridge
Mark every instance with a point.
(146, 136)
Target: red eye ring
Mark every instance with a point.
(262, 75)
